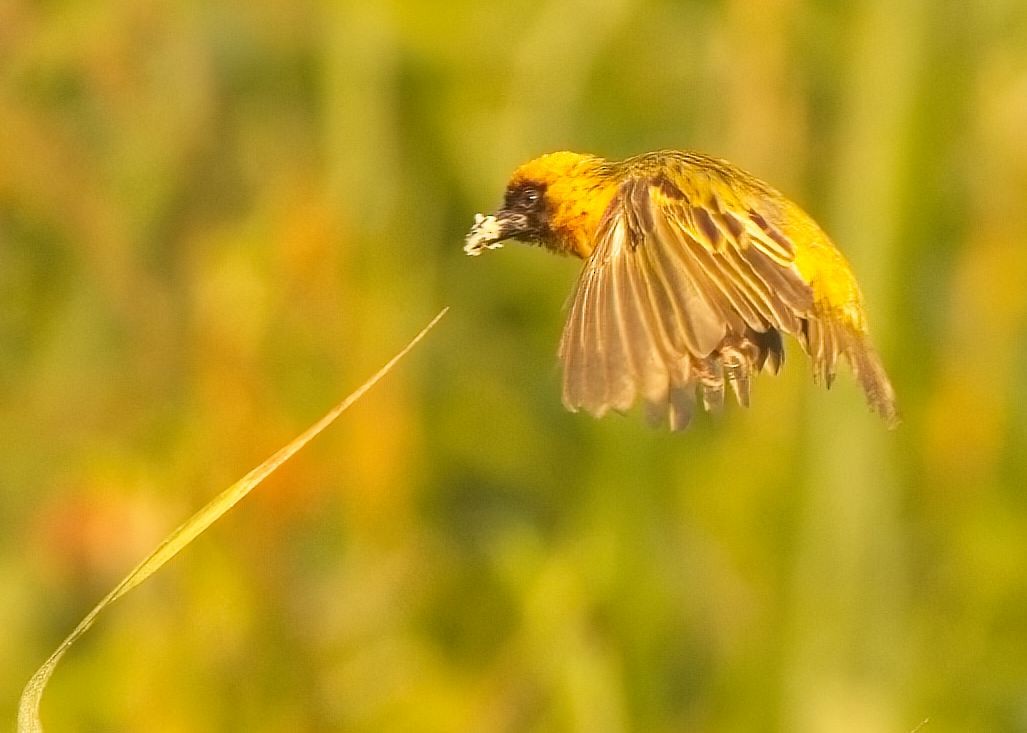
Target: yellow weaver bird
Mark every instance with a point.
(693, 270)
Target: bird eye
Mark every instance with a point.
(523, 196)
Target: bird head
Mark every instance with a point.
(555, 201)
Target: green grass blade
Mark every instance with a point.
(28, 707)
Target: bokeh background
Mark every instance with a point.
(217, 218)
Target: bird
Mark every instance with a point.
(693, 270)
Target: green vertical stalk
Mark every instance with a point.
(846, 661)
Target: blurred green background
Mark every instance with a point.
(217, 218)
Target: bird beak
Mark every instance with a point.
(489, 231)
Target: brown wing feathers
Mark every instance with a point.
(678, 297)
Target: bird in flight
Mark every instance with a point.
(693, 270)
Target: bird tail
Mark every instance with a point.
(826, 339)
(869, 371)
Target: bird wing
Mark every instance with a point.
(681, 291)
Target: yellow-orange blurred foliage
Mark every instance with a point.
(218, 218)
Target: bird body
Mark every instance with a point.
(693, 269)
